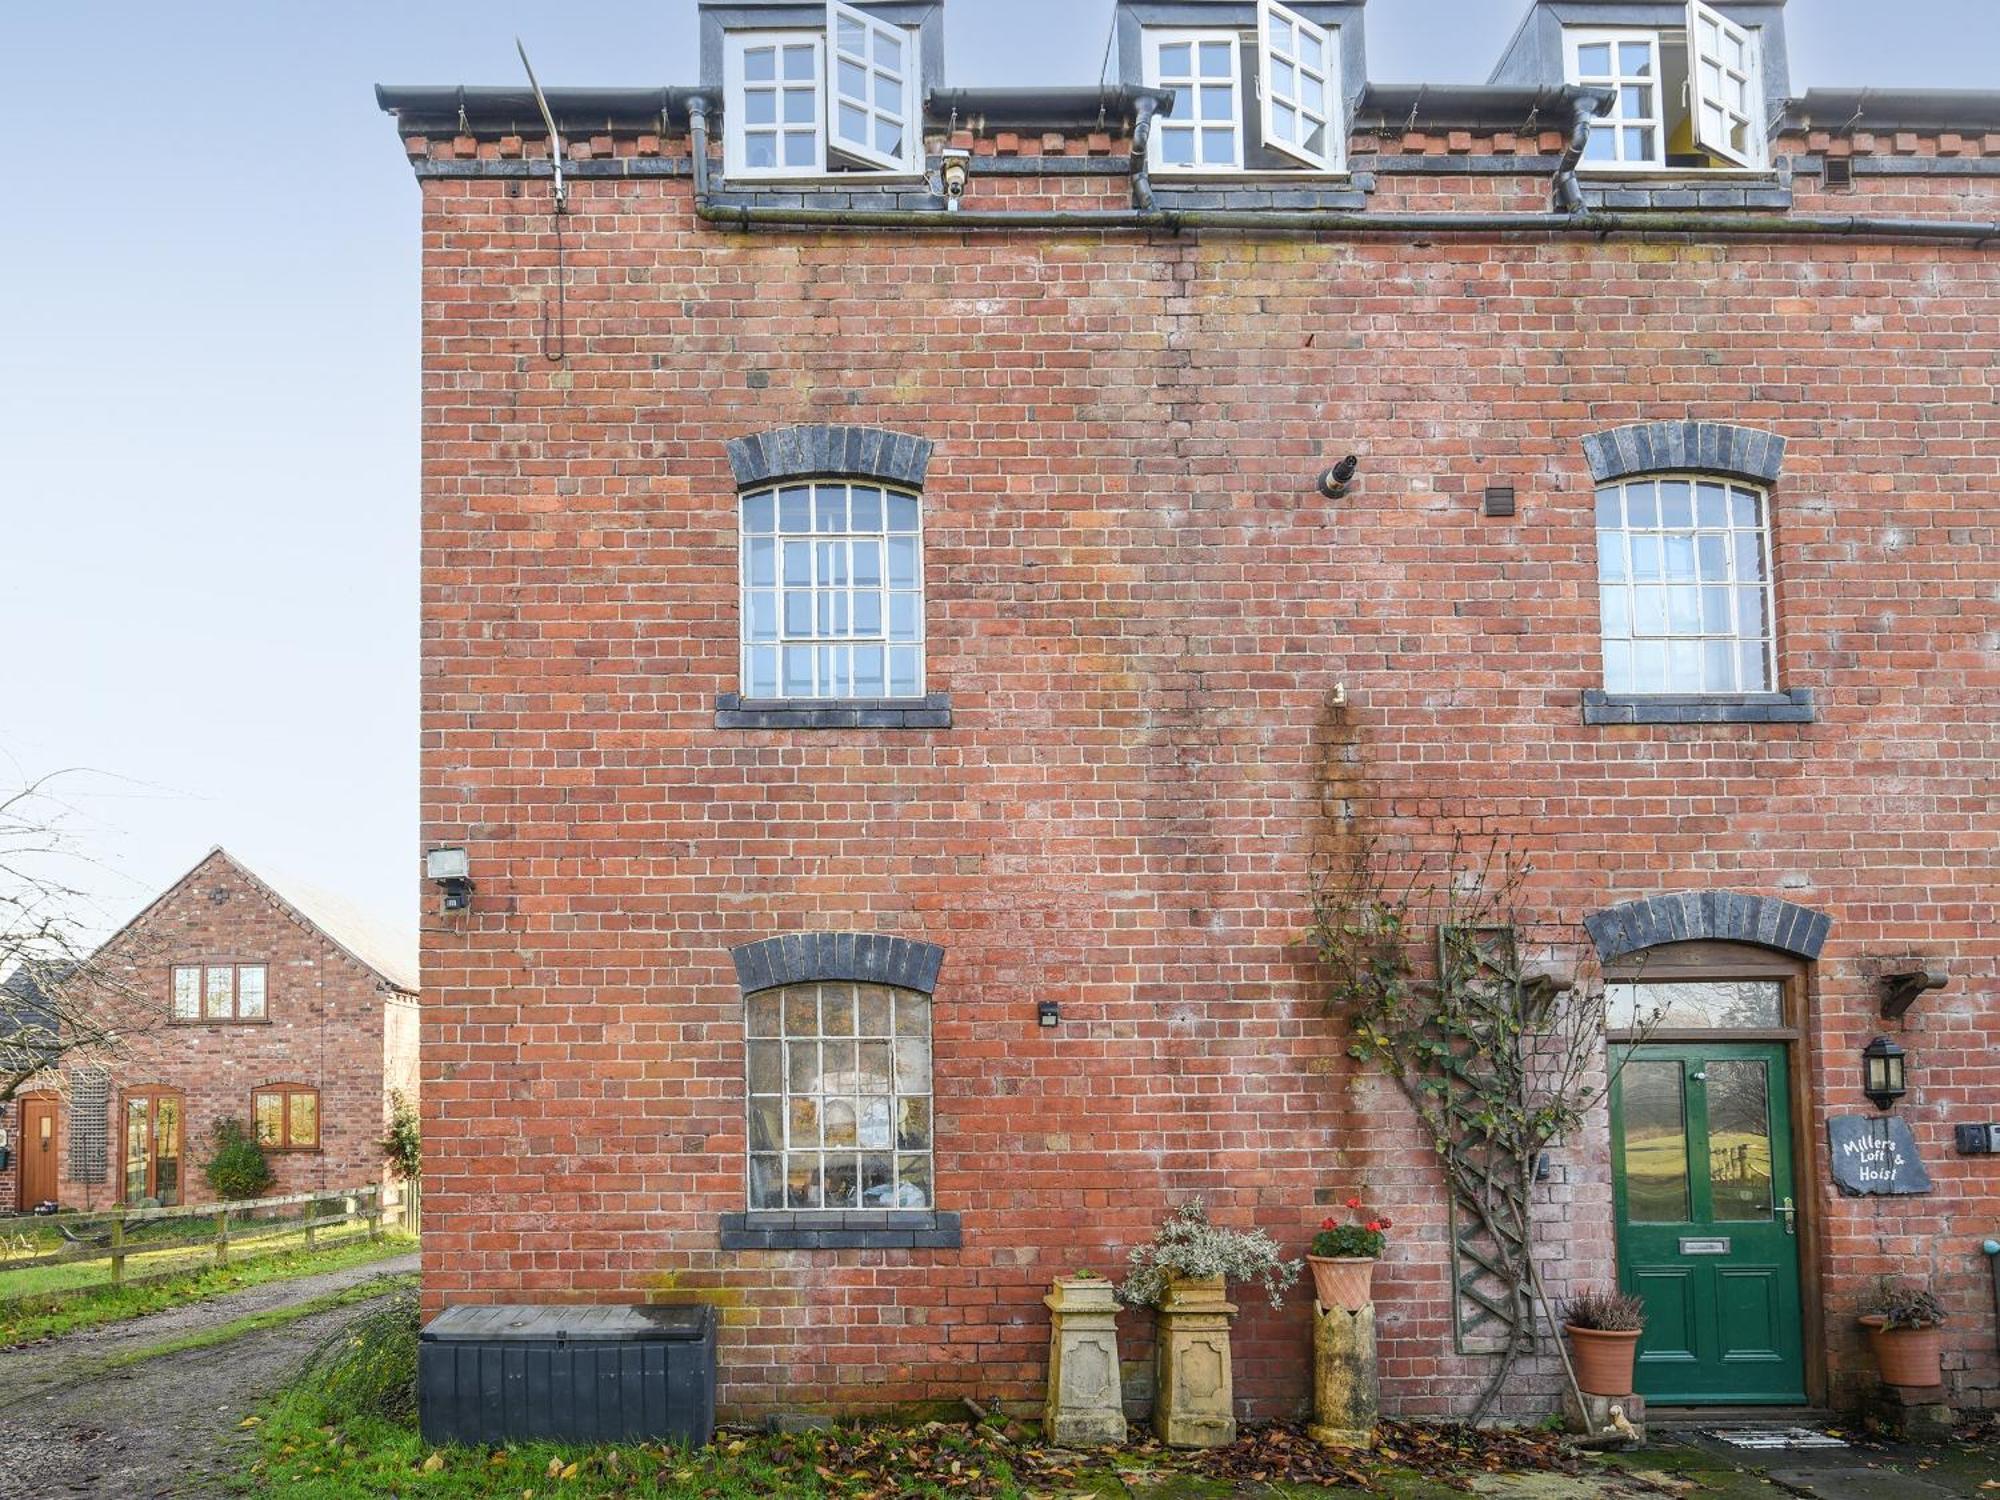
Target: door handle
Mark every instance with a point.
(1791, 1215)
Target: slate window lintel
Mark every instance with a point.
(1794, 707)
(846, 1229)
(932, 711)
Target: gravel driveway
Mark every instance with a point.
(163, 1426)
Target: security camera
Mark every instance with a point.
(1333, 483)
(957, 166)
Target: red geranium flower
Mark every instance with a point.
(1375, 1225)
(1385, 1222)
(1354, 1203)
(1326, 1223)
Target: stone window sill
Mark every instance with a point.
(1795, 707)
(845, 1229)
(933, 711)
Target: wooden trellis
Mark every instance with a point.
(1488, 1313)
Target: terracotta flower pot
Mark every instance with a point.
(1604, 1359)
(1346, 1281)
(1906, 1356)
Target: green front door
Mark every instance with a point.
(1702, 1162)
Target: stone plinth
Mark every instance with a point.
(1194, 1398)
(1916, 1414)
(1347, 1398)
(1083, 1407)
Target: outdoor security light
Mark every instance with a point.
(1883, 1072)
(451, 871)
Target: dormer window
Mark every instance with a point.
(1290, 67)
(841, 97)
(1682, 98)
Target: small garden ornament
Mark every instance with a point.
(1343, 1258)
(1185, 1273)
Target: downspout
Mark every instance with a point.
(1142, 161)
(1569, 197)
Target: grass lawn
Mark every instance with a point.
(61, 1310)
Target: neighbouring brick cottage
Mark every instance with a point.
(290, 1012)
(878, 585)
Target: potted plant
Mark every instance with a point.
(1904, 1326)
(1604, 1329)
(1188, 1248)
(1185, 1273)
(1343, 1260)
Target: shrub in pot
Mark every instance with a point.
(1343, 1259)
(1904, 1326)
(1604, 1329)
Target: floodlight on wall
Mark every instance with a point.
(450, 871)
(952, 175)
(1884, 1072)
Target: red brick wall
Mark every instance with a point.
(1139, 605)
(325, 1031)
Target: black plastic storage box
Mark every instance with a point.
(569, 1374)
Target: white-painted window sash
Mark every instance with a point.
(871, 106)
(1186, 124)
(1617, 125)
(796, 132)
(1725, 86)
(1296, 94)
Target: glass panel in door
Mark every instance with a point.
(167, 1150)
(138, 1141)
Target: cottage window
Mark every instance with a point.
(1683, 98)
(840, 1097)
(219, 992)
(784, 116)
(1296, 83)
(286, 1116)
(832, 595)
(1685, 590)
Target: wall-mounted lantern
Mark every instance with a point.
(1884, 1072)
(451, 872)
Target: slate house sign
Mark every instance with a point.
(1875, 1154)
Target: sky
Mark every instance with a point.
(208, 380)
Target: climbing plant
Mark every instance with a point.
(1499, 1053)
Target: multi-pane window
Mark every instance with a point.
(833, 603)
(1684, 584)
(840, 1097)
(286, 1116)
(774, 84)
(784, 116)
(219, 992)
(1681, 97)
(1631, 132)
(1301, 71)
(1203, 130)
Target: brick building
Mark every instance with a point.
(290, 1013)
(877, 582)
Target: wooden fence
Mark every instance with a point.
(117, 1235)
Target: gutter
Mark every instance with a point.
(1569, 197)
(1325, 221)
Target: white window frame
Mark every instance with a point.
(909, 115)
(829, 156)
(831, 642)
(1158, 37)
(1705, 25)
(1575, 39)
(1620, 584)
(735, 144)
(1329, 105)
